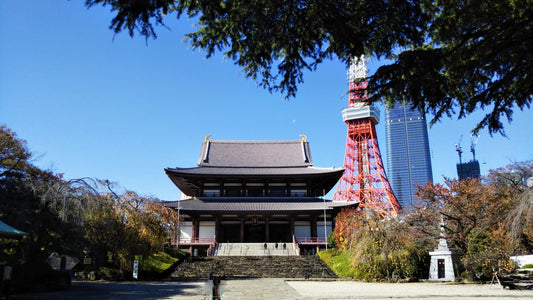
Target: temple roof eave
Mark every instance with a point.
(252, 171)
(257, 205)
(189, 179)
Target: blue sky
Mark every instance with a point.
(91, 104)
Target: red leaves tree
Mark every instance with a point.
(477, 215)
(485, 221)
(462, 205)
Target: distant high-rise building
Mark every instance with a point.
(408, 156)
(468, 170)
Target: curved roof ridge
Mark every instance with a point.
(255, 141)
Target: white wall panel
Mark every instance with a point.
(207, 229)
(186, 230)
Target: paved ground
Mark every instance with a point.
(279, 289)
(422, 290)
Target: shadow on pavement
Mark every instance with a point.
(122, 290)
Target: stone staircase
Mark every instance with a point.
(255, 249)
(307, 266)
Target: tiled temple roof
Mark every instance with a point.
(254, 154)
(10, 232)
(251, 160)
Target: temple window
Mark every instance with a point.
(232, 189)
(232, 192)
(298, 193)
(298, 189)
(255, 192)
(278, 192)
(211, 189)
(255, 189)
(277, 189)
(211, 193)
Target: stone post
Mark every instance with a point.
(441, 265)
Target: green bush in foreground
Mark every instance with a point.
(375, 249)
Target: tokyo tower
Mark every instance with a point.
(364, 179)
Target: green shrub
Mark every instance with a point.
(528, 266)
(175, 252)
(109, 274)
(332, 242)
(376, 249)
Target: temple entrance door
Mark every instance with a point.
(229, 232)
(254, 233)
(280, 231)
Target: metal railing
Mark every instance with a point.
(212, 247)
(311, 240)
(197, 241)
(296, 246)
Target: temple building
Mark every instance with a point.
(255, 192)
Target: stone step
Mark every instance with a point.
(255, 249)
(254, 267)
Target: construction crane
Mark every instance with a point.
(459, 149)
(473, 144)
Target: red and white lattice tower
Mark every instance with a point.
(364, 178)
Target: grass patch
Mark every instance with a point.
(158, 262)
(339, 261)
(154, 267)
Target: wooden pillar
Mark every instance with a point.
(291, 224)
(267, 229)
(313, 226)
(242, 229)
(217, 228)
(195, 229)
(195, 232)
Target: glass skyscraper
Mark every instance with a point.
(408, 156)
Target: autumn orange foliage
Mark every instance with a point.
(485, 221)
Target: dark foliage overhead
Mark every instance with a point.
(448, 57)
